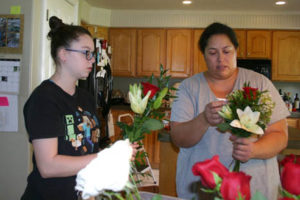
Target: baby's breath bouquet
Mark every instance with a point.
(247, 113)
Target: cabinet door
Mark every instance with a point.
(151, 51)
(286, 56)
(258, 44)
(152, 147)
(199, 62)
(123, 44)
(293, 122)
(179, 52)
(97, 31)
(241, 37)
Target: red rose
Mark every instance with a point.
(149, 87)
(236, 183)
(290, 178)
(204, 170)
(250, 93)
(290, 158)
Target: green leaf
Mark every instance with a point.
(258, 196)
(208, 190)
(153, 124)
(218, 198)
(224, 127)
(217, 178)
(157, 197)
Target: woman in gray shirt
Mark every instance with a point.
(195, 116)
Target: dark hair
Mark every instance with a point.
(62, 35)
(217, 28)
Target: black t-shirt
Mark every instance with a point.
(52, 113)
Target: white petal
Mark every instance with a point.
(255, 129)
(240, 113)
(236, 123)
(255, 117)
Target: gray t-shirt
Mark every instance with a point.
(193, 95)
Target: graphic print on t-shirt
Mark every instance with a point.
(88, 130)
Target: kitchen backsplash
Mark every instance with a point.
(292, 87)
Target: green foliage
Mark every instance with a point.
(157, 197)
(258, 196)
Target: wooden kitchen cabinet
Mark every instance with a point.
(241, 37)
(286, 56)
(97, 31)
(199, 62)
(294, 122)
(123, 44)
(151, 51)
(254, 44)
(179, 49)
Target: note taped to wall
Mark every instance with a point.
(9, 75)
(4, 101)
(8, 113)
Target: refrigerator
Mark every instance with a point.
(99, 84)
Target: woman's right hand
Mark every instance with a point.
(211, 112)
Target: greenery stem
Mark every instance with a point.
(236, 167)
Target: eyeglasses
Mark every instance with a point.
(88, 54)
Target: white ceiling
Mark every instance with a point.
(292, 6)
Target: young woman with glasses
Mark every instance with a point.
(60, 118)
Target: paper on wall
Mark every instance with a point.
(8, 113)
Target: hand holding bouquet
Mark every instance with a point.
(247, 113)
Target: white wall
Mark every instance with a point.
(93, 15)
(15, 149)
(196, 19)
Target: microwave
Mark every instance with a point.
(261, 66)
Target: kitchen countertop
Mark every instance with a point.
(293, 143)
(295, 115)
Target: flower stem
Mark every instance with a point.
(236, 167)
(136, 192)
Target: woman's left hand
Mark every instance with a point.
(134, 146)
(242, 147)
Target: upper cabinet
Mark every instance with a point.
(254, 43)
(97, 31)
(241, 37)
(199, 62)
(151, 51)
(179, 42)
(286, 56)
(123, 44)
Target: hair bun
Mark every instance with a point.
(55, 22)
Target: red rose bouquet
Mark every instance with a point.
(217, 179)
(247, 113)
(290, 177)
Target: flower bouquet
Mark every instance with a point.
(218, 180)
(145, 101)
(290, 178)
(247, 113)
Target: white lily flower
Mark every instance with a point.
(226, 112)
(104, 172)
(137, 104)
(247, 121)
